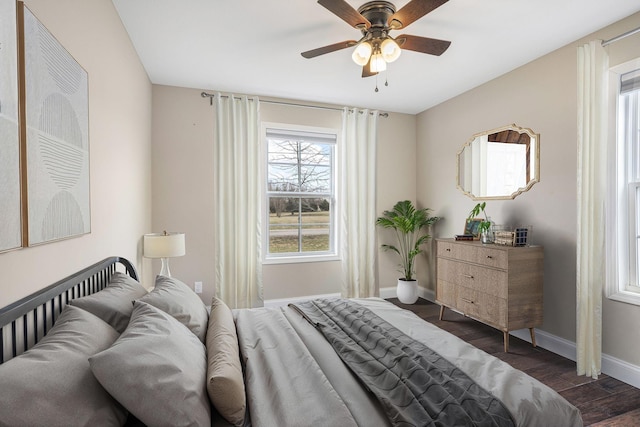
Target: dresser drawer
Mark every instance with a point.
(482, 306)
(492, 257)
(454, 251)
(446, 293)
(473, 252)
(486, 280)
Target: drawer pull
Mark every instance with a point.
(468, 276)
(470, 301)
(489, 256)
(448, 250)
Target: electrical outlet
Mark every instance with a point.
(198, 287)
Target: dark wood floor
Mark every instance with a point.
(603, 402)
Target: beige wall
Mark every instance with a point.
(120, 148)
(416, 159)
(183, 180)
(183, 129)
(541, 95)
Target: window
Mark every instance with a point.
(300, 192)
(624, 202)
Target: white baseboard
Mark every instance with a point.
(425, 293)
(285, 301)
(554, 344)
(621, 370)
(385, 293)
(611, 366)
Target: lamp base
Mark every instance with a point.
(164, 271)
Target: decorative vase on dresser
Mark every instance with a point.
(500, 286)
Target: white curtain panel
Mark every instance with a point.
(358, 232)
(238, 201)
(593, 67)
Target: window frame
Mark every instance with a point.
(621, 209)
(302, 257)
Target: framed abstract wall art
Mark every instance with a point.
(55, 135)
(10, 189)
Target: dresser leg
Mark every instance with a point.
(533, 336)
(441, 311)
(506, 341)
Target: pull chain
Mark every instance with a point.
(386, 80)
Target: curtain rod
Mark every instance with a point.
(621, 36)
(212, 95)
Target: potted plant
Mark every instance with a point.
(408, 224)
(484, 227)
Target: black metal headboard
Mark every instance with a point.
(25, 322)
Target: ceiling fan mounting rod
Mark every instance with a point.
(376, 33)
(377, 13)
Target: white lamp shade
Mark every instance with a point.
(164, 245)
(362, 53)
(390, 50)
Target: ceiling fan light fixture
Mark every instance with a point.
(378, 63)
(390, 50)
(362, 53)
(375, 19)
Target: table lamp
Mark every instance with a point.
(164, 246)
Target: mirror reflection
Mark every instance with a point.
(500, 163)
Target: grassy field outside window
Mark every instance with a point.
(314, 230)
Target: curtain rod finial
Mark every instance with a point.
(207, 95)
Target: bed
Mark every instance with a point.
(167, 359)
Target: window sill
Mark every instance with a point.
(300, 259)
(626, 297)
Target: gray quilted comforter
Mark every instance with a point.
(414, 384)
(295, 378)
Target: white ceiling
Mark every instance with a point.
(253, 46)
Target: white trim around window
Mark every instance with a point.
(623, 224)
(329, 193)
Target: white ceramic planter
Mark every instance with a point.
(407, 291)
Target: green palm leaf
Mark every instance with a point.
(408, 223)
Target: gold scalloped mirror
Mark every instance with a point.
(499, 164)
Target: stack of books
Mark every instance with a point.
(464, 236)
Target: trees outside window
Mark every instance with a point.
(300, 189)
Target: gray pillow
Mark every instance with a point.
(225, 383)
(52, 385)
(114, 303)
(157, 370)
(177, 299)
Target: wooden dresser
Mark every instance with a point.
(497, 285)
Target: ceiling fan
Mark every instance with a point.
(375, 19)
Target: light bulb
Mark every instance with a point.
(378, 63)
(361, 54)
(390, 49)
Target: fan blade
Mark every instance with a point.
(366, 70)
(344, 11)
(422, 44)
(328, 49)
(413, 11)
